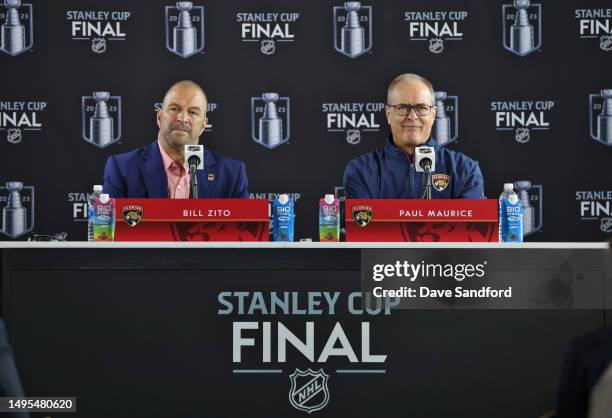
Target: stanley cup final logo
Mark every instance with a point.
(600, 116)
(446, 124)
(17, 204)
(352, 29)
(270, 120)
(17, 29)
(522, 27)
(530, 194)
(101, 118)
(185, 29)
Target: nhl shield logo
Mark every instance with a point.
(522, 27)
(309, 391)
(18, 30)
(605, 43)
(101, 119)
(362, 214)
(440, 181)
(98, 45)
(184, 29)
(270, 120)
(522, 135)
(436, 45)
(13, 135)
(18, 212)
(352, 29)
(268, 46)
(132, 214)
(353, 136)
(606, 225)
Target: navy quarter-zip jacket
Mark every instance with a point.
(387, 173)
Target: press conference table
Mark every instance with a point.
(144, 330)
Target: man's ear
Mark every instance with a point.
(157, 118)
(204, 127)
(388, 114)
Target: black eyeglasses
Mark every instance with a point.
(57, 237)
(404, 109)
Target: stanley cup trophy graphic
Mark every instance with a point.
(184, 33)
(523, 187)
(604, 119)
(521, 32)
(14, 215)
(101, 123)
(270, 124)
(352, 35)
(442, 125)
(13, 32)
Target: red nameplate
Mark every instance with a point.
(416, 220)
(191, 220)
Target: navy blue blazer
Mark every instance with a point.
(140, 173)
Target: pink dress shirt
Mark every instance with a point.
(178, 186)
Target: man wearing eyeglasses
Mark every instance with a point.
(389, 172)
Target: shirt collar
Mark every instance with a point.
(400, 154)
(166, 160)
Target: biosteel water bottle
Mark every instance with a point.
(104, 218)
(282, 218)
(329, 219)
(510, 216)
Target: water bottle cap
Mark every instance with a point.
(329, 198)
(508, 186)
(97, 188)
(283, 198)
(104, 198)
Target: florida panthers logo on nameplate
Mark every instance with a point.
(132, 214)
(309, 391)
(362, 214)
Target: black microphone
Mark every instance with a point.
(425, 159)
(194, 160)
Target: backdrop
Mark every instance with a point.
(523, 88)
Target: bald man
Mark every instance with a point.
(390, 173)
(157, 170)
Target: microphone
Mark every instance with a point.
(425, 159)
(194, 158)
